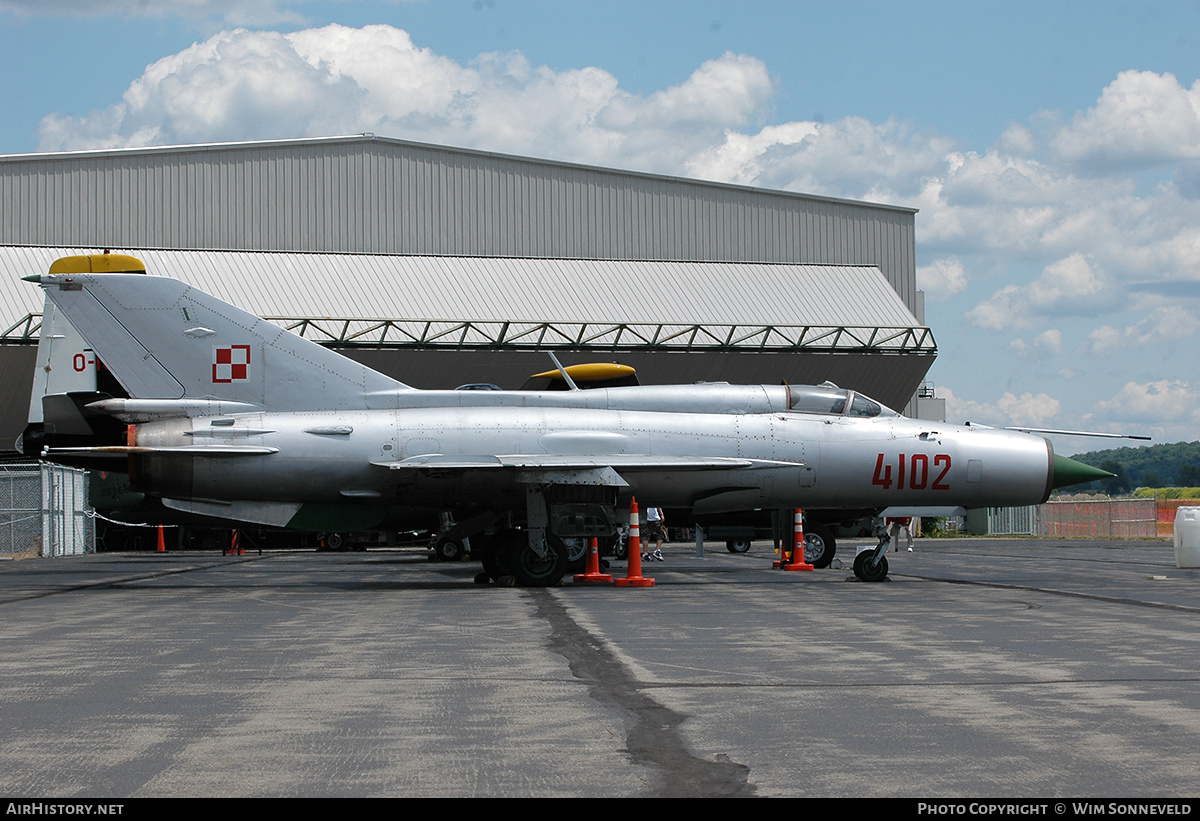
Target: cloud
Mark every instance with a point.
(236, 85)
(942, 279)
(335, 80)
(1021, 202)
(1028, 409)
(1163, 325)
(1069, 286)
(850, 157)
(1010, 409)
(1141, 119)
(1154, 402)
(1046, 345)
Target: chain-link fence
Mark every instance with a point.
(1167, 510)
(67, 527)
(44, 511)
(1002, 521)
(1099, 519)
(20, 510)
(1071, 518)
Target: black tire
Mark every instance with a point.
(532, 570)
(819, 545)
(607, 546)
(335, 542)
(738, 545)
(494, 553)
(449, 550)
(869, 569)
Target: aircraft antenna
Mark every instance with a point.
(570, 382)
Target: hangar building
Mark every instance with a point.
(441, 266)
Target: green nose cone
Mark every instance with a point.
(1069, 472)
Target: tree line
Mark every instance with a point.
(1174, 465)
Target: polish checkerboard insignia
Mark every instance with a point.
(231, 364)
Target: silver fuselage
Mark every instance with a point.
(786, 459)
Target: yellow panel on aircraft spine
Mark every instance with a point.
(98, 264)
(589, 372)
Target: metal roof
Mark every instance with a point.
(511, 302)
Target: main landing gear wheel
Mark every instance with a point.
(495, 552)
(332, 542)
(532, 570)
(449, 550)
(870, 569)
(621, 546)
(738, 545)
(577, 552)
(819, 545)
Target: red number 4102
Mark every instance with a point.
(913, 469)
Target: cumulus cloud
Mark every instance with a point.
(1010, 409)
(1162, 325)
(1037, 197)
(235, 85)
(1069, 286)
(1028, 409)
(245, 85)
(1045, 345)
(1154, 402)
(942, 279)
(890, 161)
(1141, 119)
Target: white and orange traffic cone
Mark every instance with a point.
(634, 577)
(798, 562)
(592, 574)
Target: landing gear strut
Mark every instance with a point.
(560, 519)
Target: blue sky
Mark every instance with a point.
(1053, 149)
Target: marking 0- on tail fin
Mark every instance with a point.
(163, 339)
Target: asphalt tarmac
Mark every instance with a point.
(982, 668)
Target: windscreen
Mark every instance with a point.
(862, 406)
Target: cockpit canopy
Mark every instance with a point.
(833, 400)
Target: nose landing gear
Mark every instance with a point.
(872, 565)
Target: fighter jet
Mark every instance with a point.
(221, 414)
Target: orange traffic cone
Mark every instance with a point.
(234, 548)
(798, 562)
(592, 574)
(634, 576)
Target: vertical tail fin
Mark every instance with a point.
(163, 339)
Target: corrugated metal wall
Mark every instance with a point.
(382, 196)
